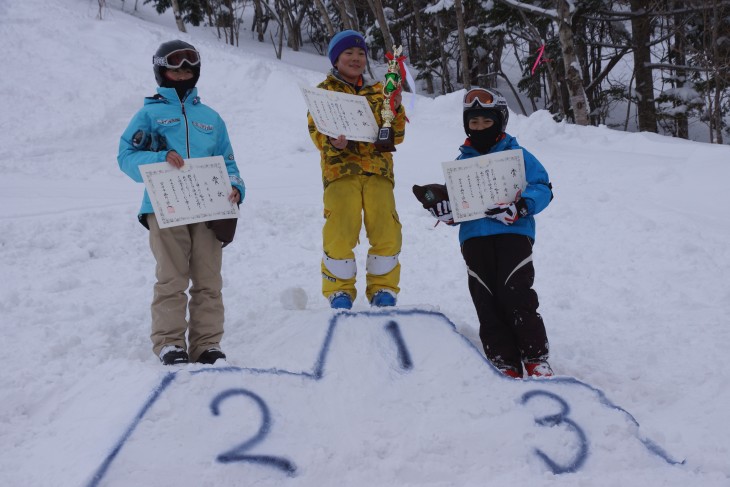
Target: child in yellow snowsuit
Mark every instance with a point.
(358, 186)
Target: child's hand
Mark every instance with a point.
(339, 143)
(234, 196)
(174, 159)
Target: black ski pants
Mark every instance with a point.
(501, 276)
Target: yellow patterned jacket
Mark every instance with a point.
(358, 157)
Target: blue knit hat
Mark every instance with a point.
(345, 40)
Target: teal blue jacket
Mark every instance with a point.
(190, 128)
(537, 195)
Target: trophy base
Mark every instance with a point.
(386, 140)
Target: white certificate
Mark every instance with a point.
(477, 183)
(197, 192)
(338, 114)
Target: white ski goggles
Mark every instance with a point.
(479, 97)
(177, 58)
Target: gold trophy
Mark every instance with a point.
(386, 135)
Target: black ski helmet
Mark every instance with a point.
(486, 100)
(160, 61)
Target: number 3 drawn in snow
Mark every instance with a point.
(237, 454)
(554, 420)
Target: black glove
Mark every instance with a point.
(435, 198)
(430, 194)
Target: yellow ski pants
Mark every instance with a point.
(348, 201)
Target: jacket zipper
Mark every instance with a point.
(187, 128)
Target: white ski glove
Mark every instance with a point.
(442, 211)
(507, 213)
(435, 198)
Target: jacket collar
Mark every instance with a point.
(335, 75)
(169, 95)
(505, 142)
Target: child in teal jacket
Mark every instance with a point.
(174, 125)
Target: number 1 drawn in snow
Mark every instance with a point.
(404, 357)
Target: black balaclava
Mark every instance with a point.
(181, 87)
(484, 140)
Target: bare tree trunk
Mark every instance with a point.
(465, 71)
(679, 58)
(278, 48)
(555, 95)
(325, 18)
(573, 77)
(229, 21)
(717, 117)
(628, 105)
(421, 35)
(534, 85)
(641, 33)
(377, 7)
(514, 92)
(719, 83)
(280, 26)
(285, 11)
(258, 20)
(352, 14)
(178, 16)
(346, 21)
(445, 77)
(496, 60)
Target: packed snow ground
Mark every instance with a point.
(631, 257)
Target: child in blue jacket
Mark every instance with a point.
(171, 126)
(498, 248)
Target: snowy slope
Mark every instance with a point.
(631, 262)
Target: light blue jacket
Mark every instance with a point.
(190, 128)
(537, 195)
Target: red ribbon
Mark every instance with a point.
(539, 59)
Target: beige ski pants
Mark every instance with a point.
(186, 253)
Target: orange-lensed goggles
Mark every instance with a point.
(177, 58)
(478, 96)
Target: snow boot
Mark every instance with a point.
(383, 298)
(173, 355)
(211, 355)
(511, 372)
(340, 300)
(538, 369)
